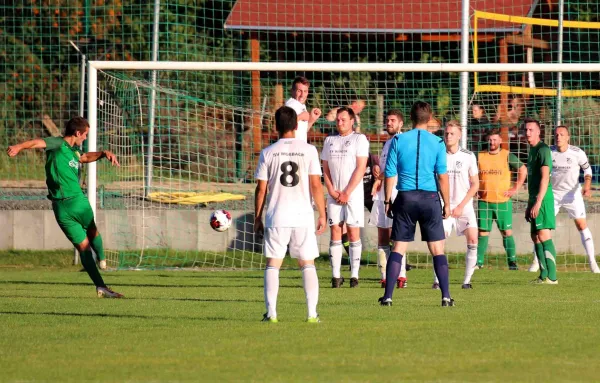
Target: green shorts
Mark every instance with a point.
(74, 216)
(546, 218)
(490, 211)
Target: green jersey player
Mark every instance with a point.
(71, 208)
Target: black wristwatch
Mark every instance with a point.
(386, 202)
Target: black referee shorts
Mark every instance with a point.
(419, 206)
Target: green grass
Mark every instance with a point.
(205, 326)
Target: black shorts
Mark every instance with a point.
(419, 206)
(369, 204)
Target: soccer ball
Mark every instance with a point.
(220, 220)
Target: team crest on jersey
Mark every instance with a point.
(458, 164)
(347, 143)
(74, 164)
(568, 160)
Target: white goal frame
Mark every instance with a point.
(94, 66)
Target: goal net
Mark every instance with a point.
(188, 144)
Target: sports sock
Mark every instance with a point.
(588, 244)
(393, 271)
(97, 246)
(470, 263)
(535, 261)
(335, 255)
(511, 249)
(383, 253)
(403, 266)
(539, 253)
(346, 243)
(87, 260)
(310, 282)
(435, 278)
(550, 254)
(271, 290)
(482, 245)
(440, 264)
(355, 254)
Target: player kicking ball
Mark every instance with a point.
(289, 174)
(464, 184)
(568, 194)
(71, 208)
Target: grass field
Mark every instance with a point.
(205, 326)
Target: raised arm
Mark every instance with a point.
(95, 156)
(36, 143)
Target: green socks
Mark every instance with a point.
(87, 260)
(539, 253)
(96, 244)
(482, 245)
(550, 255)
(511, 249)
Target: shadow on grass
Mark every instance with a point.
(104, 315)
(138, 299)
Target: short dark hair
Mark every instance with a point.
(347, 109)
(530, 120)
(397, 113)
(300, 80)
(420, 113)
(563, 127)
(286, 119)
(76, 124)
(494, 132)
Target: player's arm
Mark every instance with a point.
(328, 184)
(355, 179)
(390, 173)
(315, 113)
(587, 175)
(441, 169)
(545, 162)
(86, 158)
(260, 194)
(36, 143)
(473, 189)
(316, 190)
(517, 166)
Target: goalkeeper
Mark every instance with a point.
(72, 210)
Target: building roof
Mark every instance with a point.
(370, 16)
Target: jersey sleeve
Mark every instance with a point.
(262, 171)
(391, 163)
(545, 155)
(584, 164)
(473, 170)
(53, 143)
(514, 163)
(362, 149)
(314, 166)
(441, 166)
(325, 151)
(296, 105)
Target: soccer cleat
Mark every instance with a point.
(409, 267)
(106, 292)
(513, 266)
(382, 283)
(337, 282)
(467, 286)
(595, 270)
(102, 264)
(353, 282)
(401, 283)
(447, 302)
(539, 281)
(383, 301)
(551, 282)
(269, 319)
(313, 319)
(479, 266)
(534, 268)
(435, 286)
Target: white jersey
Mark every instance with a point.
(340, 152)
(565, 170)
(461, 166)
(380, 196)
(286, 166)
(302, 131)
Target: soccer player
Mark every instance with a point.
(72, 210)
(540, 206)
(394, 124)
(464, 183)
(289, 172)
(566, 162)
(415, 159)
(297, 102)
(495, 194)
(344, 162)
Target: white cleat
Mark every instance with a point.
(534, 268)
(106, 292)
(102, 264)
(595, 270)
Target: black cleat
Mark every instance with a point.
(337, 282)
(409, 267)
(513, 266)
(467, 286)
(353, 282)
(385, 301)
(447, 302)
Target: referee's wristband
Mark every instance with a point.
(386, 202)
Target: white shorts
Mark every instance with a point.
(352, 213)
(302, 242)
(467, 220)
(378, 217)
(573, 204)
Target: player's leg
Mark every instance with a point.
(576, 210)
(505, 224)
(467, 226)
(484, 223)
(535, 265)
(539, 253)
(336, 218)
(303, 246)
(383, 251)
(95, 239)
(355, 219)
(275, 247)
(345, 239)
(545, 222)
(450, 225)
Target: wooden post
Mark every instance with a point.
(256, 107)
(503, 107)
(277, 99)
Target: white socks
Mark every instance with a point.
(355, 254)
(271, 290)
(335, 254)
(383, 253)
(470, 263)
(588, 244)
(403, 267)
(310, 282)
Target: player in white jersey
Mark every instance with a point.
(344, 162)
(464, 184)
(297, 102)
(394, 123)
(289, 173)
(567, 160)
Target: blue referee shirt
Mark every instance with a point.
(416, 157)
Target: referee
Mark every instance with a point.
(415, 159)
